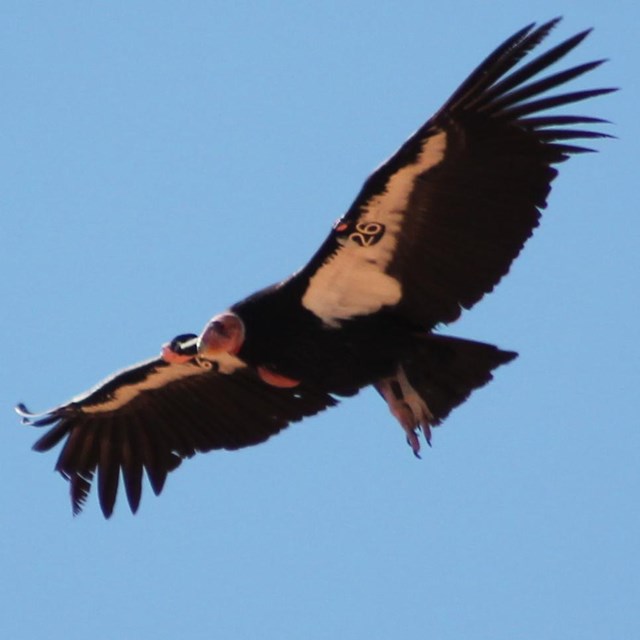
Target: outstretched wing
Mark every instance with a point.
(438, 225)
(153, 415)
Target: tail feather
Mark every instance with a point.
(440, 375)
(446, 370)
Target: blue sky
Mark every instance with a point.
(162, 160)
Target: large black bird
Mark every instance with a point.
(432, 230)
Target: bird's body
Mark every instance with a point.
(284, 336)
(431, 232)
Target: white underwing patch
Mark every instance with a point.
(354, 281)
(158, 378)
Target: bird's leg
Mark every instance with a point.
(407, 407)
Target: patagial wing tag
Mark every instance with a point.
(364, 234)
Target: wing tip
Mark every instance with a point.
(29, 417)
(500, 82)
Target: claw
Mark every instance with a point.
(408, 408)
(426, 430)
(414, 443)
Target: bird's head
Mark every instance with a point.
(224, 333)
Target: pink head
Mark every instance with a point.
(224, 333)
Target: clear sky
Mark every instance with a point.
(160, 161)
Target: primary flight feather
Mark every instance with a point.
(431, 232)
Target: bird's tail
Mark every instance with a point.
(440, 374)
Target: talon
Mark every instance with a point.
(414, 443)
(426, 430)
(408, 408)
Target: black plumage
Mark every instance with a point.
(431, 232)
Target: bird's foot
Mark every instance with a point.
(408, 408)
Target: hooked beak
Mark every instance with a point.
(223, 334)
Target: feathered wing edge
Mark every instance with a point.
(475, 210)
(159, 427)
(461, 196)
(492, 91)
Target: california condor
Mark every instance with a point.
(432, 230)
